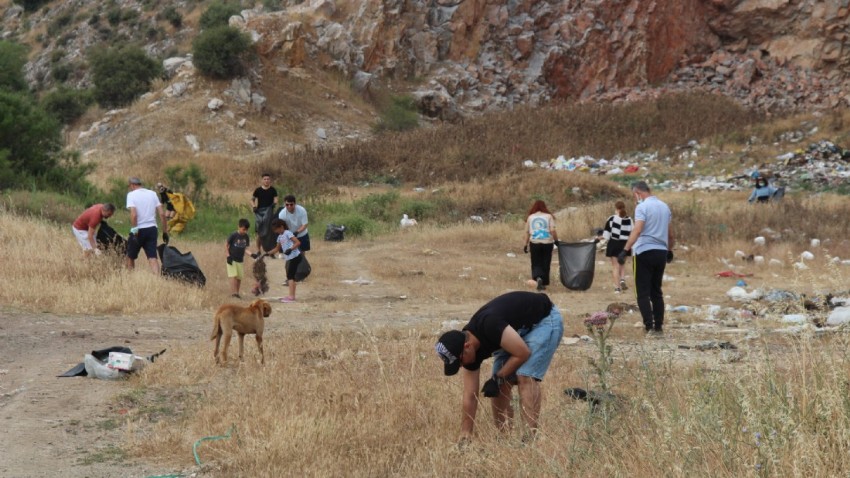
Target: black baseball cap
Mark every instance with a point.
(450, 349)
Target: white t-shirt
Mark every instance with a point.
(538, 225)
(145, 201)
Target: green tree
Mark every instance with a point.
(218, 14)
(13, 57)
(122, 74)
(29, 137)
(67, 104)
(219, 52)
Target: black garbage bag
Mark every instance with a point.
(303, 270)
(108, 239)
(264, 217)
(577, 264)
(334, 233)
(181, 266)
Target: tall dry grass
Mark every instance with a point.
(370, 402)
(498, 143)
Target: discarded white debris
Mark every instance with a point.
(407, 222)
(800, 266)
(794, 319)
(758, 259)
(775, 263)
(815, 243)
(357, 281)
(740, 254)
(807, 256)
(838, 316)
(511, 254)
(759, 241)
(739, 293)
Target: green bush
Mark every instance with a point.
(218, 14)
(171, 15)
(219, 52)
(59, 23)
(113, 16)
(67, 104)
(29, 137)
(31, 5)
(61, 72)
(13, 57)
(121, 74)
(380, 207)
(399, 115)
(191, 181)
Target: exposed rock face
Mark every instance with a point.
(496, 53)
(489, 54)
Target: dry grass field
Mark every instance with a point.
(351, 386)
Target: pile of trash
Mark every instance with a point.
(822, 164)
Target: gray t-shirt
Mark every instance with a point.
(295, 219)
(656, 217)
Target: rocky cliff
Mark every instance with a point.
(483, 54)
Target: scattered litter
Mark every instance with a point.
(794, 319)
(113, 363)
(807, 256)
(739, 293)
(357, 281)
(839, 316)
(731, 274)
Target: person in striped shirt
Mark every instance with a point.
(616, 231)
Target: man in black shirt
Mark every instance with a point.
(521, 330)
(264, 202)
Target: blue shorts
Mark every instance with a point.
(542, 339)
(144, 239)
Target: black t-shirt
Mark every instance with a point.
(237, 245)
(265, 197)
(517, 309)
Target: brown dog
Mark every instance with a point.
(244, 320)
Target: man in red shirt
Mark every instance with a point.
(85, 227)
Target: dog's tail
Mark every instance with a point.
(216, 331)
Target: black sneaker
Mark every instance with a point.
(540, 285)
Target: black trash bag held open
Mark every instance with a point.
(264, 217)
(108, 238)
(577, 264)
(182, 266)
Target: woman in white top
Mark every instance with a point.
(540, 237)
(617, 230)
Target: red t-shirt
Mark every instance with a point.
(89, 218)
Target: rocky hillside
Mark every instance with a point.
(464, 57)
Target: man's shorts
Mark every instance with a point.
(542, 339)
(237, 270)
(144, 239)
(305, 242)
(82, 238)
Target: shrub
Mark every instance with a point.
(61, 72)
(121, 74)
(191, 181)
(114, 16)
(218, 14)
(59, 23)
(219, 52)
(67, 104)
(13, 57)
(31, 5)
(29, 137)
(399, 115)
(171, 15)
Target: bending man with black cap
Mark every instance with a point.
(521, 330)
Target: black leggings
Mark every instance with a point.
(649, 270)
(541, 261)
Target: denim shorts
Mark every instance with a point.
(542, 339)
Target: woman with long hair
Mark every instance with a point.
(617, 230)
(540, 238)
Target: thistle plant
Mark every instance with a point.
(599, 325)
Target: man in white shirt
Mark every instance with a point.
(144, 206)
(295, 217)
